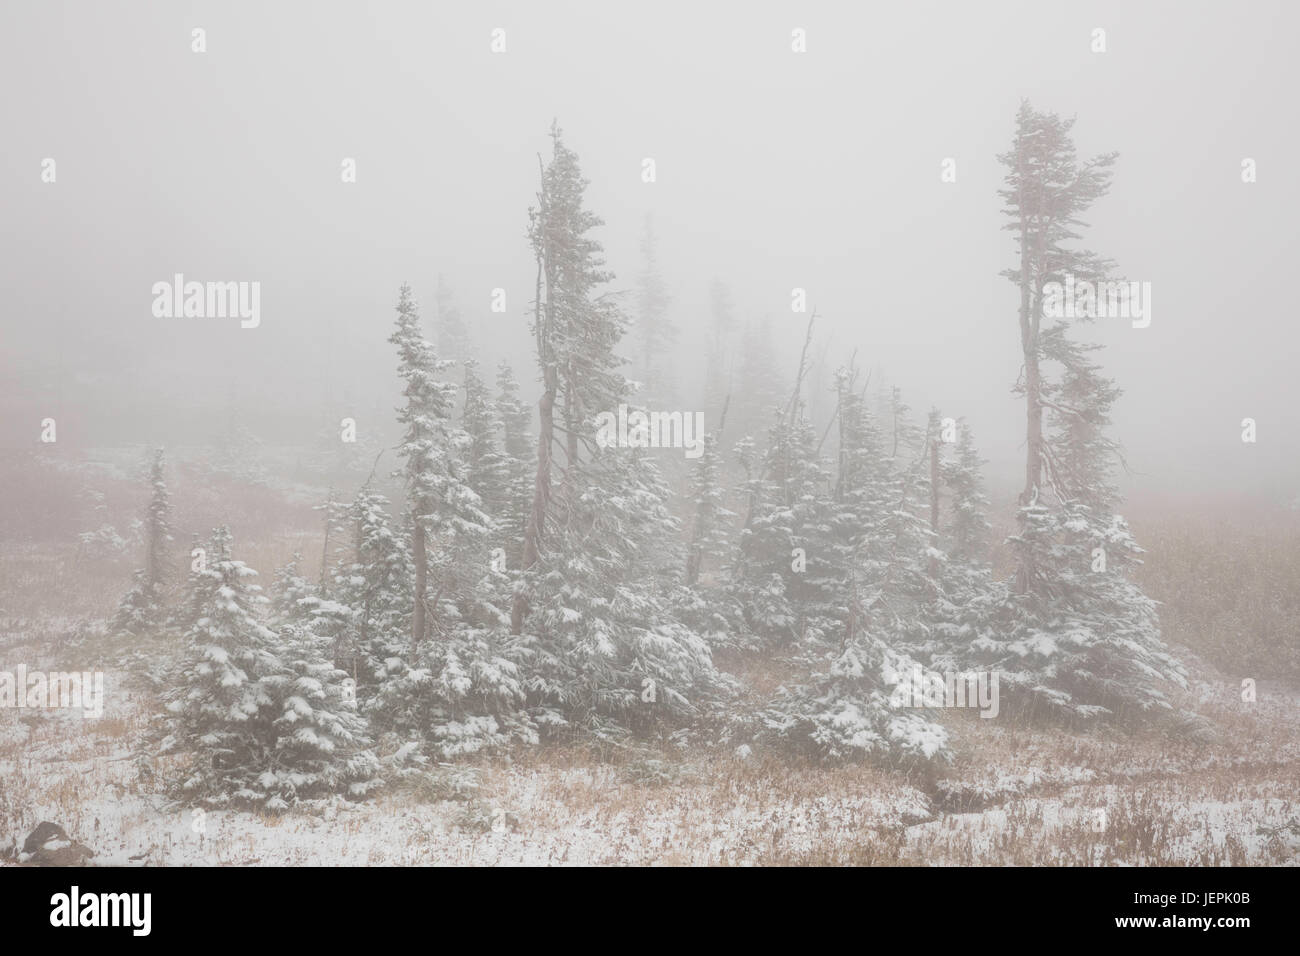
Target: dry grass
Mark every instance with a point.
(1015, 795)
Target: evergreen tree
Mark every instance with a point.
(487, 470)
(968, 533)
(373, 588)
(656, 331)
(142, 608)
(319, 743)
(782, 568)
(878, 551)
(457, 693)
(600, 647)
(263, 717)
(709, 531)
(453, 338)
(292, 595)
(519, 452)
(448, 527)
(1075, 638)
(220, 708)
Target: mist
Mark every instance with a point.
(774, 171)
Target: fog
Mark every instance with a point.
(774, 170)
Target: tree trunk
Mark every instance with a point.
(1033, 395)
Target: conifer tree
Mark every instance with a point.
(447, 523)
(319, 743)
(487, 468)
(656, 331)
(292, 595)
(264, 718)
(220, 708)
(453, 337)
(599, 643)
(374, 585)
(878, 551)
(968, 532)
(519, 452)
(142, 608)
(1076, 638)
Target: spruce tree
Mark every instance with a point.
(142, 608)
(656, 331)
(487, 470)
(519, 454)
(220, 708)
(600, 646)
(292, 595)
(878, 553)
(1077, 639)
(448, 526)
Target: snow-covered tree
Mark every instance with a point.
(220, 708)
(519, 453)
(878, 555)
(487, 469)
(710, 537)
(264, 719)
(449, 530)
(1076, 638)
(292, 595)
(319, 743)
(967, 535)
(142, 608)
(782, 569)
(599, 645)
(373, 589)
(452, 689)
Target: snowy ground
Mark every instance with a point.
(1015, 797)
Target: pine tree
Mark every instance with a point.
(656, 331)
(292, 595)
(487, 469)
(373, 588)
(142, 608)
(319, 742)
(512, 518)
(1076, 638)
(600, 647)
(782, 568)
(448, 525)
(220, 708)
(458, 693)
(878, 552)
(335, 514)
(968, 533)
(265, 718)
(453, 338)
(709, 533)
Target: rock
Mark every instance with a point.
(50, 845)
